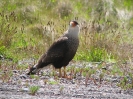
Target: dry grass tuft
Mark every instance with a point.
(64, 8)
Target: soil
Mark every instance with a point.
(51, 87)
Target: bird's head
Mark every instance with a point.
(74, 27)
(31, 70)
(73, 24)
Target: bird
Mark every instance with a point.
(61, 52)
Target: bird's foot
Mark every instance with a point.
(67, 77)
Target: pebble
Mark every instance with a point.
(25, 89)
(23, 76)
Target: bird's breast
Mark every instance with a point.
(73, 44)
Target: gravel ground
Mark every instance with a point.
(60, 88)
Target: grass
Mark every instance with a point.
(23, 32)
(33, 89)
(52, 82)
(61, 89)
(27, 29)
(92, 55)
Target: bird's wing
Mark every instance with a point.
(57, 51)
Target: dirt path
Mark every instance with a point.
(18, 88)
(69, 91)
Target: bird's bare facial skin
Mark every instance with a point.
(72, 24)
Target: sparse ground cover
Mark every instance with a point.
(89, 80)
(84, 84)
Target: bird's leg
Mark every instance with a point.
(60, 74)
(65, 76)
(53, 71)
(38, 72)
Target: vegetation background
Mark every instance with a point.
(28, 28)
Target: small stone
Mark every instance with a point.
(25, 89)
(51, 79)
(23, 76)
(104, 94)
(14, 71)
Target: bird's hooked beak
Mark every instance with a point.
(31, 71)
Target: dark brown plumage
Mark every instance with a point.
(61, 51)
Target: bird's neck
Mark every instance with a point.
(73, 31)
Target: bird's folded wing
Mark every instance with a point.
(57, 50)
